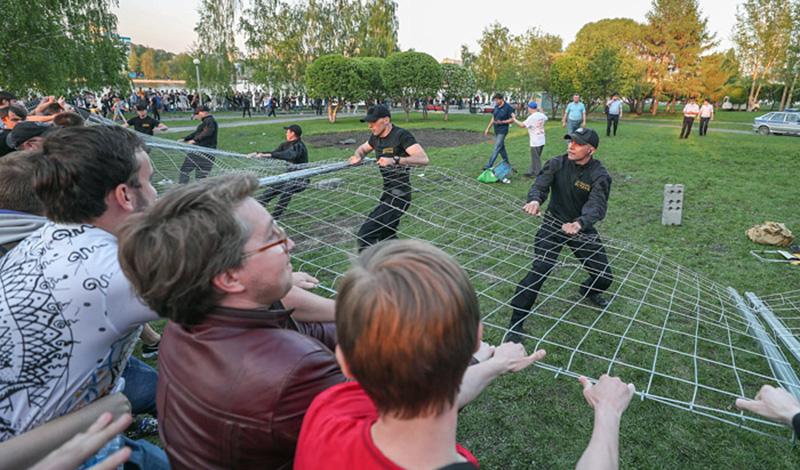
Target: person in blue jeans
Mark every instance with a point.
(140, 390)
(574, 115)
(502, 116)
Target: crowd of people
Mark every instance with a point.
(254, 369)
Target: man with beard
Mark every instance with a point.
(71, 317)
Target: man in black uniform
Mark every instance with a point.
(395, 150)
(204, 136)
(144, 123)
(580, 186)
(293, 151)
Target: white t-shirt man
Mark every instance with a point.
(535, 124)
(691, 110)
(707, 110)
(69, 320)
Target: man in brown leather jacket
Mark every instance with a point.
(245, 351)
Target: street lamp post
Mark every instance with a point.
(197, 70)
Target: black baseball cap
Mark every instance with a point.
(376, 112)
(202, 108)
(583, 136)
(141, 107)
(24, 131)
(296, 129)
(7, 95)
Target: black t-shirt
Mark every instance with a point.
(145, 126)
(396, 143)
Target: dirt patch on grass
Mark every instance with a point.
(428, 138)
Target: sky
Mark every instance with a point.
(438, 27)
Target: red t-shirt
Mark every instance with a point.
(336, 433)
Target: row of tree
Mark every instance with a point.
(403, 76)
(56, 47)
(664, 59)
(283, 38)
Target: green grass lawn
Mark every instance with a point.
(732, 181)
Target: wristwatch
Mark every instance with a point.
(396, 159)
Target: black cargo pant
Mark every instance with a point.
(383, 221)
(199, 162)
(285, 191)
(586, 246)
(686, 129)
(612, 121)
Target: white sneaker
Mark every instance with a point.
(506, 181)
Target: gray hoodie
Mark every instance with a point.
(15, 226)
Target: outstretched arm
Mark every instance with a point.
(508, 357)
(609, 398)
(309, 307)
(773, 403)
(360, 153)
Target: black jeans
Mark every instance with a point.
(612, 120)
(201, 163)
(383, 221)
(686, 129)
(285, 191)
(704, 125)
(586, 246)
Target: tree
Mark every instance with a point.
(370, 70)
(674, 39)
(134, 64)
(216, 46)
(494, 58)
(457, 82)
(468, 58)
(790, 69)
(284, 37)
(716, 72)
(612, 48)
(762, 37)
(381, 27)
(50, 46)
(148, 64)
(337, 79)
(412, 75)
(567, 75)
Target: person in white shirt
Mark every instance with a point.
(69, 318)
(690, 111)
(706, 114)
(535, 125)
(613, 115)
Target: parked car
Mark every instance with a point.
(785, 122)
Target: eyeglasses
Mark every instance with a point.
(282, 239)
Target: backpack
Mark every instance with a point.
(502, 171)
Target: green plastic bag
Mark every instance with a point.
(487, 177)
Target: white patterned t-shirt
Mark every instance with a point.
(535, 125)
(69, 320)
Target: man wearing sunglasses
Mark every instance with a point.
(245, 350)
